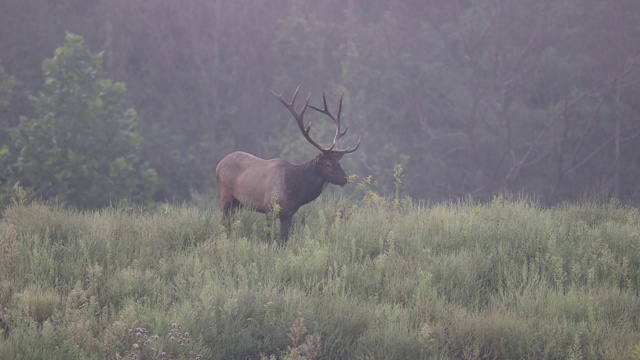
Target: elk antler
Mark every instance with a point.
(299, 116)
(336, 120)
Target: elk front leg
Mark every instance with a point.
(285, 224)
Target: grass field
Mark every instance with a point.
(359, 279)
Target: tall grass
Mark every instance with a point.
(367, 279)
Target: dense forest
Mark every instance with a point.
(140, 99)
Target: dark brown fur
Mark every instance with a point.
(244, 179)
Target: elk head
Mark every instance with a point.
(328, 161)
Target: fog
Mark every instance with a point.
(471, 98)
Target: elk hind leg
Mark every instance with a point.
(228, 208)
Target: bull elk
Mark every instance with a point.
(244, 179)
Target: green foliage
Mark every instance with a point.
(469, 97)
(364, 278)
(535, 97)
(274, 216)
(8, 84)
(82, 146)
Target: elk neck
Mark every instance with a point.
(304, 183)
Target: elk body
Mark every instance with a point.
(247, 180)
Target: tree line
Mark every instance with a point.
(470, 97)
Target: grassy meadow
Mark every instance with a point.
(365, 278)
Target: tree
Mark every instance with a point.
(8, 83)
(472, 97)
(82, 145)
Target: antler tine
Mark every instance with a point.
(295, 94)
(325, 110)
(299, 116)
(291, 106)
(336, 120)
(349, 151)
(339, 134)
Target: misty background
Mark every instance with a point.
(470, 97)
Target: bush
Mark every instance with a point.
(82, 146)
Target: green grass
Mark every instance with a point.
(359, 279)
